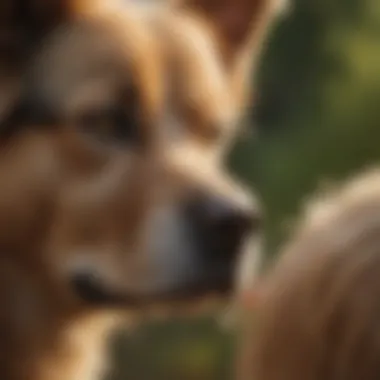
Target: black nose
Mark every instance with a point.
(223, 225)
(228, 215)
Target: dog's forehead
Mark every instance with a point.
(97, 55)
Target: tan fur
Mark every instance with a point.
(317, 316)
(68, 196)
(210, 71)
(45, 333)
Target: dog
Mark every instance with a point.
(317, 315)
(114, 121)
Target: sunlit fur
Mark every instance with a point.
(317, 317)
(70, 199)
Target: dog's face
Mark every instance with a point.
(113, 186)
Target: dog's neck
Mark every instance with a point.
(44, 338)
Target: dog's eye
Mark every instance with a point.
(95, 122)
(118, 124)
(111, 125)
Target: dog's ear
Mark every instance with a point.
(240, 25)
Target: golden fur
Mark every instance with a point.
(317, 316)
(80, 195)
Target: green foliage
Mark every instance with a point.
(330, 59)
(176, 351)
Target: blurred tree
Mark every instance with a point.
(318, 113)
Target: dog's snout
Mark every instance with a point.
(224, 224)
(228, 217)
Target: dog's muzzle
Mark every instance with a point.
(220, 228)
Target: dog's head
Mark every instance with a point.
(111, 128)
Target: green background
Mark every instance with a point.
(317, 120)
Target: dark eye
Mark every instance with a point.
(97, 122)
(126, 126)
(118, 124)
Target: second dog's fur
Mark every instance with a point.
(318, 314)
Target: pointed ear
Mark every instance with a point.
(239, 24)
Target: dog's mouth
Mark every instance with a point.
(210, 269)
(94, 293)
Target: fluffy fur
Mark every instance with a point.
(317, 316)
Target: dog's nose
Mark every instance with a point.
(228, 215)
(224, 224)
